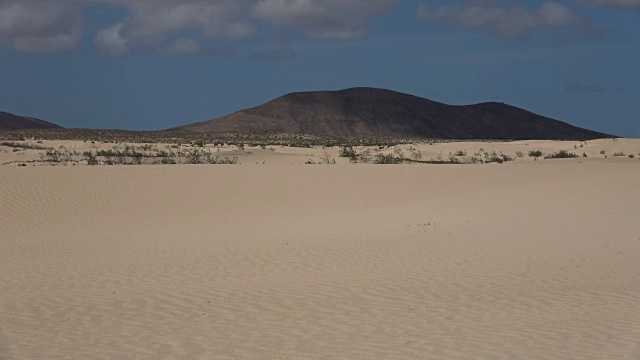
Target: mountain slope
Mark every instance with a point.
(380, 112)
(14, 122)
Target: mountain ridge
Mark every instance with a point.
(381, 112)
(10, 121)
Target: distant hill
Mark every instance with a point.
(380, 112)
(15, 122)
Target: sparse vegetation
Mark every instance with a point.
(562, 154)
(91, 159)
(535, 153)
(619, 153)
(387, 159)
(495, 158)
(24, 145)
(348, 152)
(325, 158)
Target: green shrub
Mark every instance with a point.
(535, 153)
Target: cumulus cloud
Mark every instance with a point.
(503, 20)
(343, 19)
(187, 26)
(188, 46)
(110, 42)
(576, 86)
(153, 22)
(283, 54)
(152, 25)
(40, 25)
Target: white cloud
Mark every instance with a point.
(504, 21)
(322, 18)
(163, 25)
(111, 42)
(40, 26)
(152, 23)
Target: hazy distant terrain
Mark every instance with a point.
(14, 122)
(379, 112)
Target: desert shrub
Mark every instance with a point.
(416, 155)
(363, 157)
(137, 158)
(535, 153)
(620, 153)
(52, 156)
(24, 145)
(348, 152)
(91, 158)
(519, 154)
(326, 159)
(194, 157)
(602, 152)
(495, 158)
(562, 154)
(398, 153)
(387, 159)
(460, 153)
(631, 156)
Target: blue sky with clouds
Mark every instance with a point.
(154, 64)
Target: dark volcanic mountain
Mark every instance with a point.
(15, 122)
(379, 112)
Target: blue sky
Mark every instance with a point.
(155, 64)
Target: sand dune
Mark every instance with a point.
(523, 260)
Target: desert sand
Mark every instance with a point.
(271, 259)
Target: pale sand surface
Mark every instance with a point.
(595, 150)
(522, 260)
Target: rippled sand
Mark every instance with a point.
(525, 260)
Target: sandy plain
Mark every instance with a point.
(271, 259)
